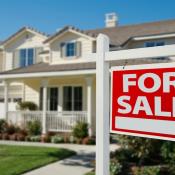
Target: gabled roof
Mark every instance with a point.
(67, 28)
(26, 28)
(120, 34)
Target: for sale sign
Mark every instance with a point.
(143, 101)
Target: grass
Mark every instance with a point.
(91, 173)
(15, 160)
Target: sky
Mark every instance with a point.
(51, 15)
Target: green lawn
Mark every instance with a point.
(15, 160)
(90, 173)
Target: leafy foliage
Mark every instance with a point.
(141, 148)
(3, 125)
(115, 167)
(27, 106)
(34, 128)
(168, 152)
(80, 131)
(147, 170)
(57, 139)
(35, 138)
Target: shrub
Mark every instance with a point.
(27, 106)
(168, 152)
(141, 148)
(10, 129)
(3, 125)
(72, 139)
(91, 141)
(5, 136)
(21, 131)
(35, 138)
(66, 138)
(34, 128)
(27, 138)
(57, 139)
(80, 130)
(115, 167)
(85, 141)
(20, 137)
(146, 170)
(46, 139)
(13, 137)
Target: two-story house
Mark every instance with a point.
(56, 72)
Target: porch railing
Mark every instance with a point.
(55, 121)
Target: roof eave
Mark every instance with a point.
(68, 29)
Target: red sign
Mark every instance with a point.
(143, 102)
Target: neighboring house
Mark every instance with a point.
(56, 72)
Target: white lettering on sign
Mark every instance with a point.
(142, 103)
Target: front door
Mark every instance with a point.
(53, 99)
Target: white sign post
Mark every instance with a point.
(102, 107)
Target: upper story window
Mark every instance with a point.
(154, 44)
(70, 49)
(26, 57)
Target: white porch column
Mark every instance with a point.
(6, 85)
(89, 103)
(44, 124)
(60, 100)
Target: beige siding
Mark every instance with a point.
(139, 44)
(1, 61)
(86, 47)
(32, 88)
(31, 91)
(26, 40)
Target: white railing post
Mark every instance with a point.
(102, 107)
(44, 128)
(89, 103)
(6, 86)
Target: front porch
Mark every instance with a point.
(55, 121)
(62, 102)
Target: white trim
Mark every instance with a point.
(138, 53)
(72, 31)
(21, 33)
(47, 74)
(144, 66)
(151, 37)
(73, 91)
(141, 135)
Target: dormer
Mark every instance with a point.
(22, 48)
(69, 45)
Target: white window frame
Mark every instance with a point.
(27, 58)
(72, 86)
(154, 42)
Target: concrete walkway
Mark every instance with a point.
(79, 164)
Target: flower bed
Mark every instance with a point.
(32, 133)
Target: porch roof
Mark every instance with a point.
(46, 67)
(47, 70)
